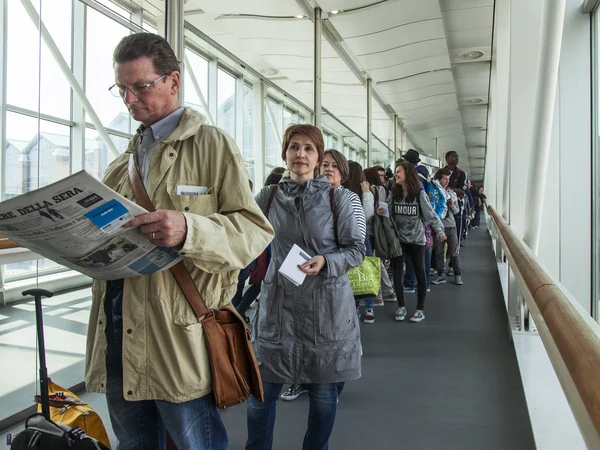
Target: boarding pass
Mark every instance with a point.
(183, 189)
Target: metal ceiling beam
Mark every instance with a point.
(317, 64)
(588, 6)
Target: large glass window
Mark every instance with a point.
(248, 138)
(196, 77)
(273, 132)
(226, 102)
(33, 81)
(36, 156)
(102, 36)
(97, 154)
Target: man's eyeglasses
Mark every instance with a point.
(138, 91)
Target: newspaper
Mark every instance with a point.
(77, 222)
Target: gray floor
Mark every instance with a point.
(450, 382)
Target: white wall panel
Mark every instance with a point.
(575, 156)
(525, 26)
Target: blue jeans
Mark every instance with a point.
(321, 416)
(142, 425)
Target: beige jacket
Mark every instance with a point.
(164, 354)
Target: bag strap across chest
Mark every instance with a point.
(179, 271)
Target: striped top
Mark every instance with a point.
(359, 213)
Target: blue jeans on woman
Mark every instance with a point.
(142, 425)
(321, 416)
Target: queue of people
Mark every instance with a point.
(305, 335)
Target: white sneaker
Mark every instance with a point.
(418, 316)
(458, 280)
(378, 301)
(400, 314)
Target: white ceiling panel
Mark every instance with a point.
(274, 45)
(473, 87)
(408, 34)
(479, 69)
(416, 82)
(434, 123)
(473, 113)
(469, 18)
(401, 44)
(422, 93)
(264, 7)
(463, 4)
(384, 16)
(286, 62)
(409, 69)
(306, 75)
(424, 102)
(331, 5)
(470, 38)
(245, 28)
(432, 117)
(404, 54)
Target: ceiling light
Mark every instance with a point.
(472, 101)
(299, 16)
(470, 55)
(269, 72)
(335, 11)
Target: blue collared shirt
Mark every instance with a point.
(152, 136)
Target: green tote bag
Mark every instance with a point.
(366, 278)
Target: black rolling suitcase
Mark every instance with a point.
(40, 432)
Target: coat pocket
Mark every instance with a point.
(335, 312)
(204, 205)
(269, 312)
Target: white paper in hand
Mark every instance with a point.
(386, 209)
(289, 268)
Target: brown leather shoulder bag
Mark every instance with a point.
(235, 373)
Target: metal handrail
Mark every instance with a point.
(569, 334)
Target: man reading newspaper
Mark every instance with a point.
(145, 345)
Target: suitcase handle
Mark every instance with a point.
(38, 294)
(58, 402)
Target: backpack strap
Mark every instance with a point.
(375, 193)
(334, 212)
(271, 196)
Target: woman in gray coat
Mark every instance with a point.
(306, 334)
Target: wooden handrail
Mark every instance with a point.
(572, 333)
(7, 243)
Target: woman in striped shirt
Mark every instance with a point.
(356, 184)
(336, 169)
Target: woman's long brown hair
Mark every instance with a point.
(412, 183)
(355, 177)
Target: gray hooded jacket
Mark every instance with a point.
(410, 218)
(309, 333)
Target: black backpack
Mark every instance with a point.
(43, 434)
